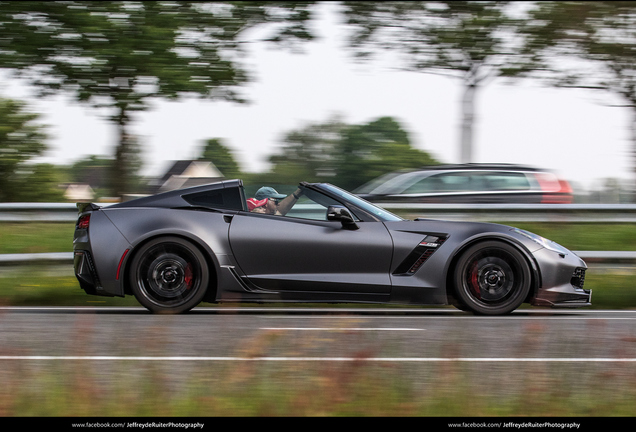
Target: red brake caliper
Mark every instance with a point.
(474, 281)
(188, 276)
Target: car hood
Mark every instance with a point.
(459, 232)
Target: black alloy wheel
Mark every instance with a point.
(492, 278)
(169, 275)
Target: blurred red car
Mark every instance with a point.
(470, 183)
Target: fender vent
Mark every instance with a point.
(422, 252)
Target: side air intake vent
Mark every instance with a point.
(422, 252)
(578, 278)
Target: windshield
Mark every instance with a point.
(378, 212)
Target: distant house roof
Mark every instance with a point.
(79, 192)
(186, 173)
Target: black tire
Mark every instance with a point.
(491, 278)
(169, 275)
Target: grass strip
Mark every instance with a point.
(36, 288)
(40, 237)
(36, 237)
(261, 389)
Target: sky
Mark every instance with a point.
(574, 133)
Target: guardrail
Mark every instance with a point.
(39, 258)
(38, 212)
(67, 212)
(604, 213)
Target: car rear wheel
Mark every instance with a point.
(492, 278)
(169, 275)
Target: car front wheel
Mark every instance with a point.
(492, 278)
(169, 275)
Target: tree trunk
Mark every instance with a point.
(632, 192)
(468, 120)
(119, 183)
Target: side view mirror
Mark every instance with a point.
(343, 215)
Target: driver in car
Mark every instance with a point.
(267, 200)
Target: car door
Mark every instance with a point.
(303, 252)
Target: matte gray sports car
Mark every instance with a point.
(210, 243)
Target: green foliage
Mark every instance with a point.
(32, 237)
(370, 150)
(98, 171)
(215, 151)
(36, 237)
(345, 155)
(39, 183)
(120, 55)
(465, 40)
(52, 286)
(589, 45)
(92, 170)
(603, 33)
(309, 153)
(585, 236)
(21, 139)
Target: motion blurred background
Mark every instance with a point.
(103, 100)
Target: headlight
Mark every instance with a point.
(548, 244)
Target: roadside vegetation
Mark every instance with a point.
(27, 286)
(253, 388)
(36, 237)
(586, 236)
(39, 237)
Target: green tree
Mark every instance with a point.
(119, 56)
(309, 153)
(39, 183)
(370, 150)
(584, 45)
(221, 156)
(21, 139)
(345, 155)
(92, 170)
(97, 171)
(464, 40)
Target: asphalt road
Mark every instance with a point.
(271, 334)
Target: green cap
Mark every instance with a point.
(268, 192)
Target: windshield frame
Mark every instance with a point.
(348, 198)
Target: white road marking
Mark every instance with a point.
(341, 329)
(333, 359)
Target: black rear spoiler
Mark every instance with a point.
(87, 207)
